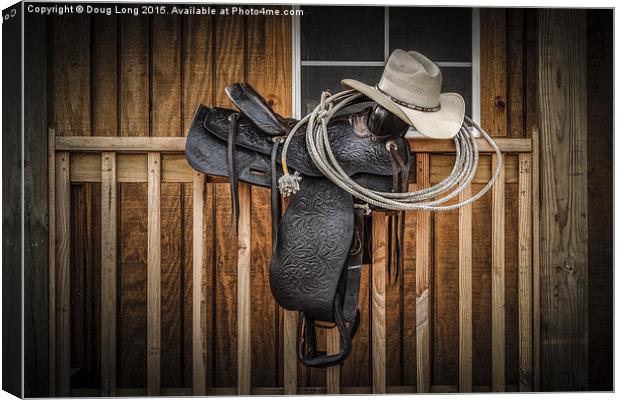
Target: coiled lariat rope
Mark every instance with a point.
(317, 143)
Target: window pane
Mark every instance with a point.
(458, 80)
(316, 79)
(342, 33)
(441, 34)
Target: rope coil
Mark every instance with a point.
(317, 143)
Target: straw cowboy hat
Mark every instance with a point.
(411, 89)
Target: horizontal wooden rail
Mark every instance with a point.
(428, 145)
(121, 144)
(177, 144)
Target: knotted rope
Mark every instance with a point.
(317, 143)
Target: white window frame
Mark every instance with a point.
(474, 64)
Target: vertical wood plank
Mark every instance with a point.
(289, 349)
(515, 71)
(333, 373)
(525, 273)
(104, 54)
(493, 71)
(244, 351)
(465, 294)
(564, 196)
(498, 250)
(197, 87)
(154, 276)
(423, 282)
(197, 65)
(409, 356)
(536, 255)
(266, 343)
(105, 75)
(229, 67)
(379, 267)
(71, 105)
(63, 233)
(108, 273)
(166, 117)
(51, 174)
(133, 120)
(198, 295)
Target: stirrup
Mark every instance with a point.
(306, 339)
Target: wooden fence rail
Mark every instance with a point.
(157, 160)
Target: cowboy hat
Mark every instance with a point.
(411, 89)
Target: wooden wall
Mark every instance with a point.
(121, 76)
(145, 76)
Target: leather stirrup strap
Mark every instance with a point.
(400, 240)
(275, 195)
(354, 268)
(232, 170)
(397, 230)
(390, 246)
(306, 339)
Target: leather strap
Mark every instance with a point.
(397, 222)
(232, 170)
(306, 339)
(275, 195)
(354, 268)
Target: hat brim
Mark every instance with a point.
(444, 123)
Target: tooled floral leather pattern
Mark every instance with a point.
(314, 237)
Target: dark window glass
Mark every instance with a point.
(458, 80)
(342, 33)
(316, 79)
(356, 34)
(441, 34)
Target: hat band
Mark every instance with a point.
(409, 105)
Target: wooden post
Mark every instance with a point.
(108, 274)
(562, 63)
(154, 276)
(465, 293)
(536, 254)
(289, 328)
(423, 282)
(51, 212)
(63, 292)
(198, 296)
(498, 251)
(333, 373)
(379, 267)
(244, 258)
(526, 383)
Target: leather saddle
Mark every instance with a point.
(320, 243)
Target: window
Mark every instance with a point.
(332, 43)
